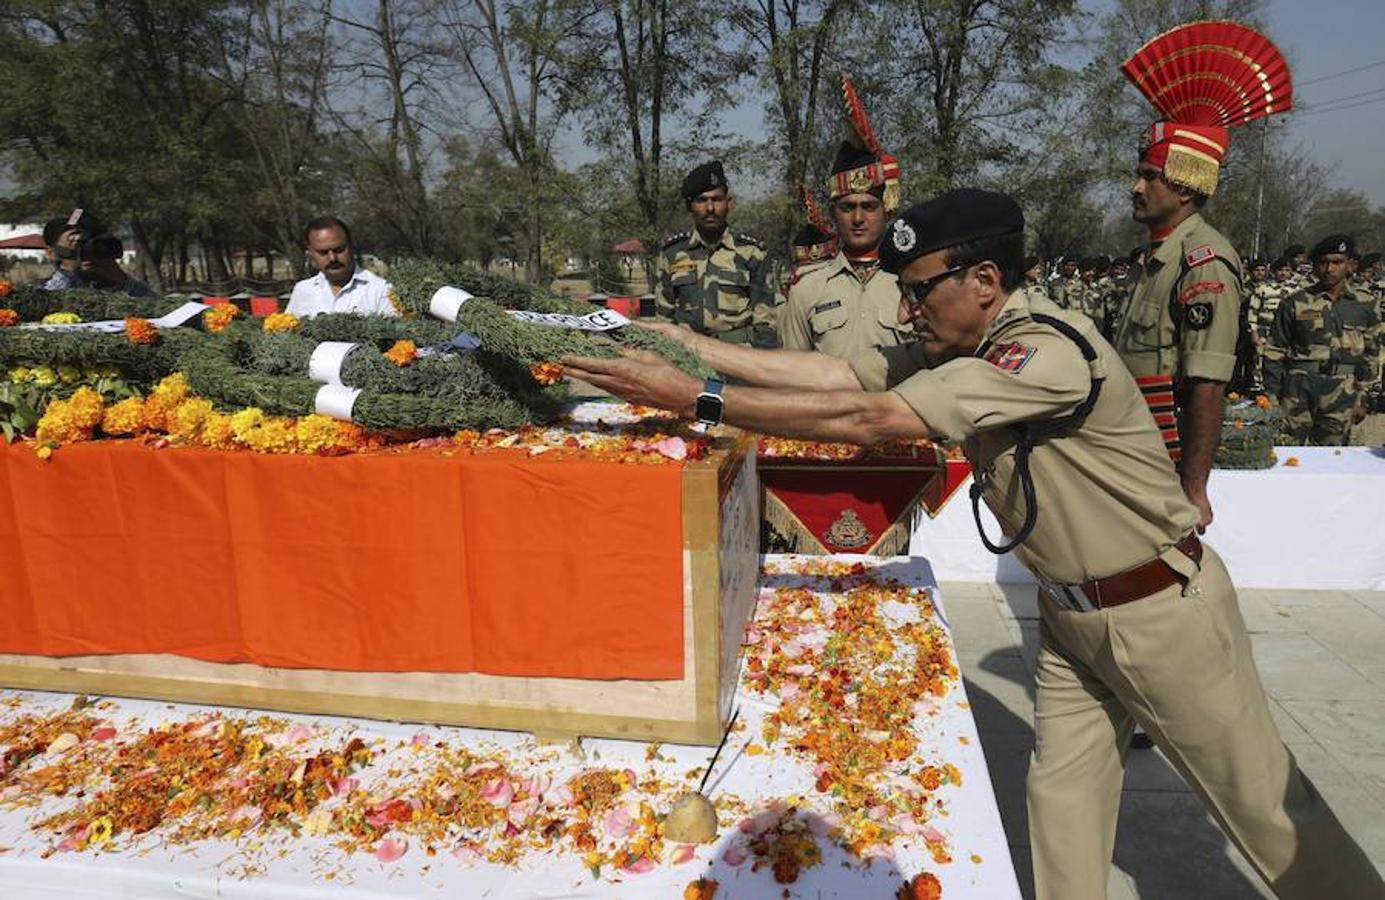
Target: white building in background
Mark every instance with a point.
(13, 231)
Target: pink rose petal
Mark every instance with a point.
(563, 796)
(681, 854)
(520, 812)
(800, 669)
(877, 813)
(343, 786)
(822, 825)
(478, 767)
(466, 854)
(789, 691)
(104, 733)
(390, 850)
(298, 734)
(498, 792)
(418, 740)
(932, 835)
(733, 856)
(640, 866)
(673, 448)
(618, 822)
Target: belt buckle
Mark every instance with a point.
(1064, 595)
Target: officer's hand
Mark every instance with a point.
(1358, 414)
(1204, 510)
(680, 333)
(638, 377)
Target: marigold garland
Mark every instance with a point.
(139, 331)
(219, 316)
(5, 288)
(280, 322)
(402, 353)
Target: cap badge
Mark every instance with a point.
(860, 181)
(904, 237)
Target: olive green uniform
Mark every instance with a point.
(831, 310)
(1330, 352)
(1178, 661)
(723, 290)
(1183, 318)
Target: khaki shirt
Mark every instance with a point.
(832, 311)
(721, 290)
(1108, 496)
(1184, 313)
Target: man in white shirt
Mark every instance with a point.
(340, 286)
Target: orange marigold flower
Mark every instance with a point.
(8, 318)
(1291, 461)
(402, 353)
(5, 288)
(546, 372)
(280, 322)
(219, 316)
(139, 331)
(701, 889)
(925, 886)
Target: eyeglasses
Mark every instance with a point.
(917, 292)
(847, 207)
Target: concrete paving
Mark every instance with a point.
(1321, 655)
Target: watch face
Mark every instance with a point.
(709, 408)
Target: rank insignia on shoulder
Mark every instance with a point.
(673, 239)
(1199, 255)
(743, 238)
(824, 307)
(1010, 357)
(1199, 315)
(1202, 287)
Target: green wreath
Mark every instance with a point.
(32, 303)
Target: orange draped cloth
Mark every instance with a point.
(390, 562)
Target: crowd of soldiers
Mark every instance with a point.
(1321, 360)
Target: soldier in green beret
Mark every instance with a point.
(715, 281)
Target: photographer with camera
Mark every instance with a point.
(98, 266)
(83, 255)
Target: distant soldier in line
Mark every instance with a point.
(845, 305)
(1302, 277)
(712, 280)
(1265, 298)
(1034, 281)
(1115, 294)
(1330, 340)
(1060, 286)
(1372, 281)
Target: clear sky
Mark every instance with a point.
(1323, 39)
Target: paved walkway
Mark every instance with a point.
(1322, 657)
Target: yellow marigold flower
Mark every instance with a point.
(8, 318)
(87, 407)
(280, 322)
(20, 374)
(69, 374)
(139, 331)
(402, 353)
(246, 422)
(73, 419)
(163, 400)
(219, 316)
(61, 318)
(217, 432)
(44, 451)
(100, 831)
(125, 417)
(173, 389)
(274, 436)
(187, 420)
(43, 376)
(317, 434)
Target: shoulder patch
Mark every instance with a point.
(1010, 356)
(1198, 315)
(743, 238)
(673, 239)
(1199, 256)
(1202, 287)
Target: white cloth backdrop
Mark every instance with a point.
(1314, 526)
(981, 866)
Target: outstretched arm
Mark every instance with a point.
(846, 415)
(800, 369)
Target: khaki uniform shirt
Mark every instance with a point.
(723, 290)
(832, 311)
(1108, 496)
(1184, 313)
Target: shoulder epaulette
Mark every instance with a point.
(674, 239)
(743, 238)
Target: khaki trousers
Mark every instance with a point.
(1179, 663)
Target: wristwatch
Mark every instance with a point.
(709, 402)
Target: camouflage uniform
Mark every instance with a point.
(723, 290)
(831, 310)
(1115, 299)
(1329, 347)
(1265, 298)
(1067, 292)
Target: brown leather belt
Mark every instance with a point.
(1141, 581)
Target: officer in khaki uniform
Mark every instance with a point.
(844, 305)
(1329, 339)
(1139, 619)
(713, 280)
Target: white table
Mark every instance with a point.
(294, 867)
(1313, 526)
